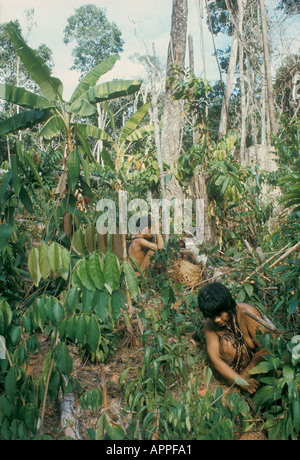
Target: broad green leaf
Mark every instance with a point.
(101, 304)
(76, 282)
(34, 266)
(54, 256)
(83, 273)
(241, 382)
(78, 242)
(95, 271)
(44, 263)
(249, 289)
(266, 394)
(86, 147)
(52, 127)
(15, 334)
(111, 270)
(90, 238)
(30, 415)
(93, 76)
(5, 406)
(87, 301)
(22, 120)
(134, 121)
(103, 92)
(73, 163)
(62, 359)
(49, 306)
(72, 298)
(296, 413)
(131, 279)
(6, 313)
(26, 201)
(11, 384)
(71, 327)
(58, 312)
(23, 98)
(5, 181)
(51, 87)
(65, 263)
(85, 163)
(118, 302)
(83, 108)
(81, 328)
(261, 368)
(93, 333)
(92, 131)
(241, 296)
(5, 234)
(26, 322)
(140, 133)
(108, 161)
(207, 374)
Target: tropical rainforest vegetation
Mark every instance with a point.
(71, 304)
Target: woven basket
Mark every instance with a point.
(187, 273)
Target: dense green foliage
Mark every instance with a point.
(72, 285)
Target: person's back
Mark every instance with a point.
(142, 248)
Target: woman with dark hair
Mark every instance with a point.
(142, 248)
(230, 335)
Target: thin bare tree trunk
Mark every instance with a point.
(267, 64)
(192, 69)
(155, 120)
(173, 110)
(242, 83)
(228, 88)
(263, 109)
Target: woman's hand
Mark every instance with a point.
(252, 384)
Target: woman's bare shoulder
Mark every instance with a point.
(249, 308)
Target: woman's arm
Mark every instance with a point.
(213, 349)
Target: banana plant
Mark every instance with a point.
(50, 108)
(119, 142)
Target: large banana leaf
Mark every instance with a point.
(22, 97)
(52, 127)
(22, 120)
(51, 87)
(93, 76)
(94, 132)
(103, 92)
(140, 133)
(133, 122)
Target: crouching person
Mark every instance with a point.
(230, 335)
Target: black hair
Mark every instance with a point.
(214, 299)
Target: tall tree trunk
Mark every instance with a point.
(198, 183)
(242, 82)
(267, 64)
(229, 85)
(173, 110)
(192, 69)
(155, 121)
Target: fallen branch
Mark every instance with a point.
(286, 254)
(265, 263)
